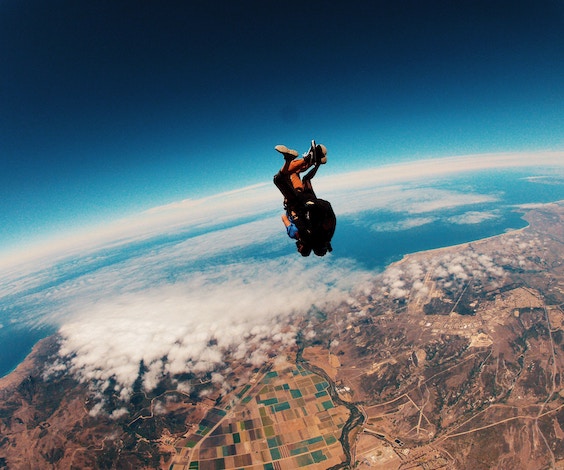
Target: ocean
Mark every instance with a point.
(374, 239)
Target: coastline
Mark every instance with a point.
(42, 348)
(46, 346)
(525, 211)
(409, 256)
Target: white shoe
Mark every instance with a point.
(289, 154)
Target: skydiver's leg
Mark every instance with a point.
(283, 183)
(296, 166)
(296, 182)
(282, 178)
(292, 168)
(289, 155)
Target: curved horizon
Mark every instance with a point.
(261, 199)
(102, 118)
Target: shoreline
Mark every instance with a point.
(41, 346)
(407, 256)
(23, 368)
(28, 365)
(525, 210)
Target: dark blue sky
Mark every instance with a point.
(109, 107)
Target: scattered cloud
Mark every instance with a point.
(455, 270)
(182, 286)
(433, 200)
(553, 179)
(412, 199)
(133, 314)
(401, 225)
(473, 217)
(352, 192)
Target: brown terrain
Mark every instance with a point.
(449, 359)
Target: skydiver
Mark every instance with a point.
(308, 219)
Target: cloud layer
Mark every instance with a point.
(352, 192)
(189, 325)
(182, 286)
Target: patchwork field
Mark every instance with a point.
(285, 421)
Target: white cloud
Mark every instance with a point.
(473, 217)
(553, 179)
(432, 200)
(400, 225)
(116, 414)
(447, 270)
(410, 199)
(186, 305)
(350, 192)
(97, 409)
(193, 322)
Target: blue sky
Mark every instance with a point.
(109, 108)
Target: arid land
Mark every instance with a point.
(450, 359)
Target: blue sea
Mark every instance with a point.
(369, 243)
(16, 343)
(376, 249)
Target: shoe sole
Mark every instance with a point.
(286, 151)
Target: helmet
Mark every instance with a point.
(321, 152)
